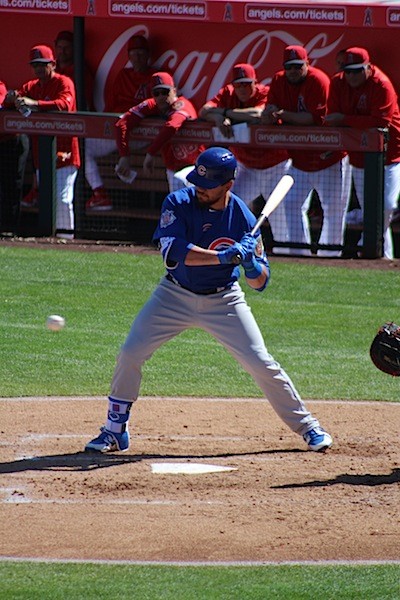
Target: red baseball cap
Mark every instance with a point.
(243, 72)
(41, 54)
(66, 36)
(355, 58)
(295, 55)
(138, 42)
(161, 80)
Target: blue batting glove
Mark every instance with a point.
(249, 244)
(232, 255)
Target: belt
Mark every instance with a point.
(199, 293)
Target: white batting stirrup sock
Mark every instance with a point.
(117, 415)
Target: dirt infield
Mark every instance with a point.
(281, 503)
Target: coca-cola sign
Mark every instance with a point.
(199, 72)
(201, 53)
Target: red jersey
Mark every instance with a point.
(129, 88)
(176, 155)
(3, 92)
(311, 96)
(374, 104)
(68, 70)
(57, 94)
(254, 158)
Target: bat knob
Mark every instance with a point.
(236, 260)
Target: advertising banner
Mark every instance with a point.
(197, 41)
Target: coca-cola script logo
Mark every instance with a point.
(200, 72)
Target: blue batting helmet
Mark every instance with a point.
(215, 166)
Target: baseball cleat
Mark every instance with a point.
(317, 439)
(99, 201)
(109, 442)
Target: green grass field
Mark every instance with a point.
(318, 321)
(125, 582)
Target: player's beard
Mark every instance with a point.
(216, 198)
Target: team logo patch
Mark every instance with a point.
(201, 170)
(167, 218)
(178, 104)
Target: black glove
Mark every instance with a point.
(385, 349)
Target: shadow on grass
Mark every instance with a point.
(87, 461)
(367, 479)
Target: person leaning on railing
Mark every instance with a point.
(178, 156)
(131, 86)
(259, 169)
(50, 91)
(297, 96)
(362, 96)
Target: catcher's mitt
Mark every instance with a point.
(385, 349)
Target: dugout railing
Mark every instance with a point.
(139, 203)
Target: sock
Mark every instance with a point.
(118, 415)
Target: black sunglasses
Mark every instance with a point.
(296, 67)
(355, 71)
(160, 92)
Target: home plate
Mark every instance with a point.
(188, 468)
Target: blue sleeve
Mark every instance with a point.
(171, 232)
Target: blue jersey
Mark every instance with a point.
(184, 222)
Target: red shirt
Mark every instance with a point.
(57, 94)
(176, 155)
(129, 88)
(3, 92)
(68, 70)
(374, 104)
(255, 158)
(310, 96)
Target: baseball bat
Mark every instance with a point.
(274, 199)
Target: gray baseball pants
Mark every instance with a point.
(226, 316)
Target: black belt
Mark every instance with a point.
(199, 293)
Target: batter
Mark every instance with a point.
(201, 230)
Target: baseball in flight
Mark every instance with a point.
(55, 322)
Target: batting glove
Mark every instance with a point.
(249, 244)
(232, 255)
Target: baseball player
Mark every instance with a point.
(179, 157)
(362, 96)
(201, 229)
(243, 101)
(64, 55)
(50, 91)
(131, 86)
(298, 96)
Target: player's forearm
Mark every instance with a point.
(295, 118)
(260, 282)
(244, 115)
(211, 113)
(197, 257)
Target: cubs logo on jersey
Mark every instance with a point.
(221, 243)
